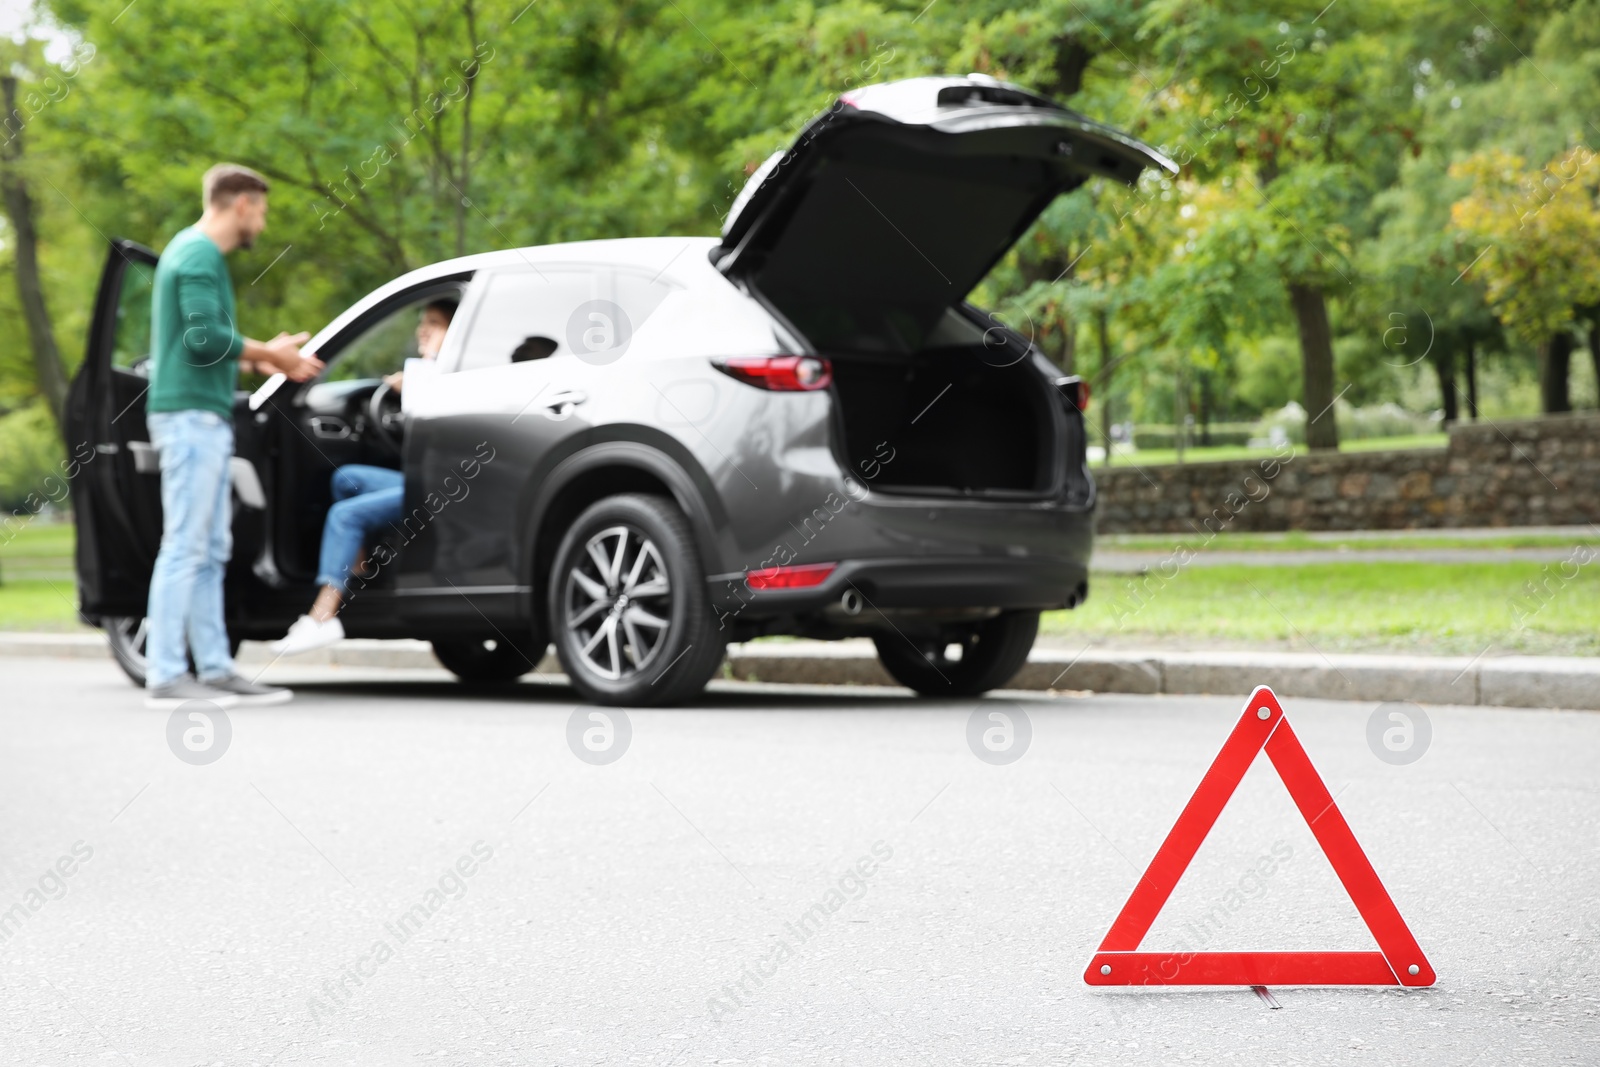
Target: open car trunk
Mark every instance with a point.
(947, 420)
(866, 236)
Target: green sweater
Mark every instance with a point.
(194, 344)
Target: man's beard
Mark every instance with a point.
(247, 240)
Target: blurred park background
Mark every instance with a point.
(1389, 211)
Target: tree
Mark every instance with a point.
(394, 135)
(1302, 109)
(21, 105)
(1542, 266)
(1415, 285)
(1218, 283)
(1086, 261)
(1315, 144)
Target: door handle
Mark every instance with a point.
(330, 427)
(559, 405)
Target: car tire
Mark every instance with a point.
(489, 661)
(640, 630)
(992, 652)
(126, 635)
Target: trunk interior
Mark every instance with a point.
(946, 421)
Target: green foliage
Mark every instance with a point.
(1544, 226)
(1319, 144)
(395, 135)
(30, 455)
(1269, 370)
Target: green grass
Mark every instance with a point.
(1151, 457)
(37, 585)
(1299, 541)
(1385, 444)
(36, 539)
(39, 605)
(1444, 608)
(1436, 608)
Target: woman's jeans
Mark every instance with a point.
(185, 606)
(366, 499)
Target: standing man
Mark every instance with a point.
(195, 350)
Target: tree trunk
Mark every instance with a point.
(1069, 344)
(1071, 60)
(1594, 355)
(51, 375)
(1180, 408)
(1103, 330)
(1472, 378)
(1316, 365)
(1555, 360)
(1205, 408)
(1445, 365)
(1105, 425)
(464, 189)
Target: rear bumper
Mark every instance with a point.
(1036, 584)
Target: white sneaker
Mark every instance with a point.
(307, 634)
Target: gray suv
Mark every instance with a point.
(642, 449)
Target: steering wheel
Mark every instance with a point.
(383, 415)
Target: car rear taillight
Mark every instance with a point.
(802, 576)
(783, 374)
(1075, 390)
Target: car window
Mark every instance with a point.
(559, 312)
(132, 342)
(384, 346)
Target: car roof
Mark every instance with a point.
(656, 254)
(681, 260)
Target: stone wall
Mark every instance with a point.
(1530, 472)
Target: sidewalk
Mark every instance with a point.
(1508, 682)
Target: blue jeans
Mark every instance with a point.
(196, 542)
(366, 499)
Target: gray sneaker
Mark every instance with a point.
(251, 694)
(184, 689)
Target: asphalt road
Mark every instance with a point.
(392, 871)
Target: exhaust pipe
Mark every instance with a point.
(851, 602)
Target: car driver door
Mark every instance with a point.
(117, 488)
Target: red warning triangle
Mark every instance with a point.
(1263, 726)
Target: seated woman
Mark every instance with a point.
(366, 500)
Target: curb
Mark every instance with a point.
(1569, 682)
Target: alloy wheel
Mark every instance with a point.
(127, 636)
(618, 602)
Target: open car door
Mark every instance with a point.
(117, 492)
